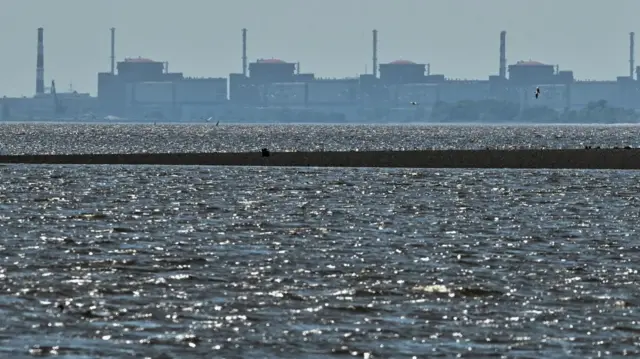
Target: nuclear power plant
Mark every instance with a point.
(142, 88)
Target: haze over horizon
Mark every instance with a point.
(331, 38)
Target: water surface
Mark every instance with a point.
(191, 262)
(128, 138)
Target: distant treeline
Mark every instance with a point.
(485, 111)
(494, 111)
(303, 116)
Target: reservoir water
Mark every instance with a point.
(248, 262)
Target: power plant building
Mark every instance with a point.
(144, 88)
(402, 72)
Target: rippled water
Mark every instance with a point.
(191, 262)
(127, 138)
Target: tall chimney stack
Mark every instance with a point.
(40, 63)
(631, 51)
(244, 52)
(503, 54)
(113, 51)
(375, 53)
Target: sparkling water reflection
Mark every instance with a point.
(127, 138)
(187, 262)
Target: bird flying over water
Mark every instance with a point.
(413, 103)
(537, 92)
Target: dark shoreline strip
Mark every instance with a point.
(571, 158)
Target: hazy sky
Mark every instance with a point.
(332, 38)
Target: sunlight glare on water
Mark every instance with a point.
(191, 262)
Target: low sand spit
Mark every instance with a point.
(524, 158)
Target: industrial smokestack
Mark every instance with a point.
(503, 54)
(244, 52)
(375, 53)
(631, 51)
(113, 51)
(40, 63)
